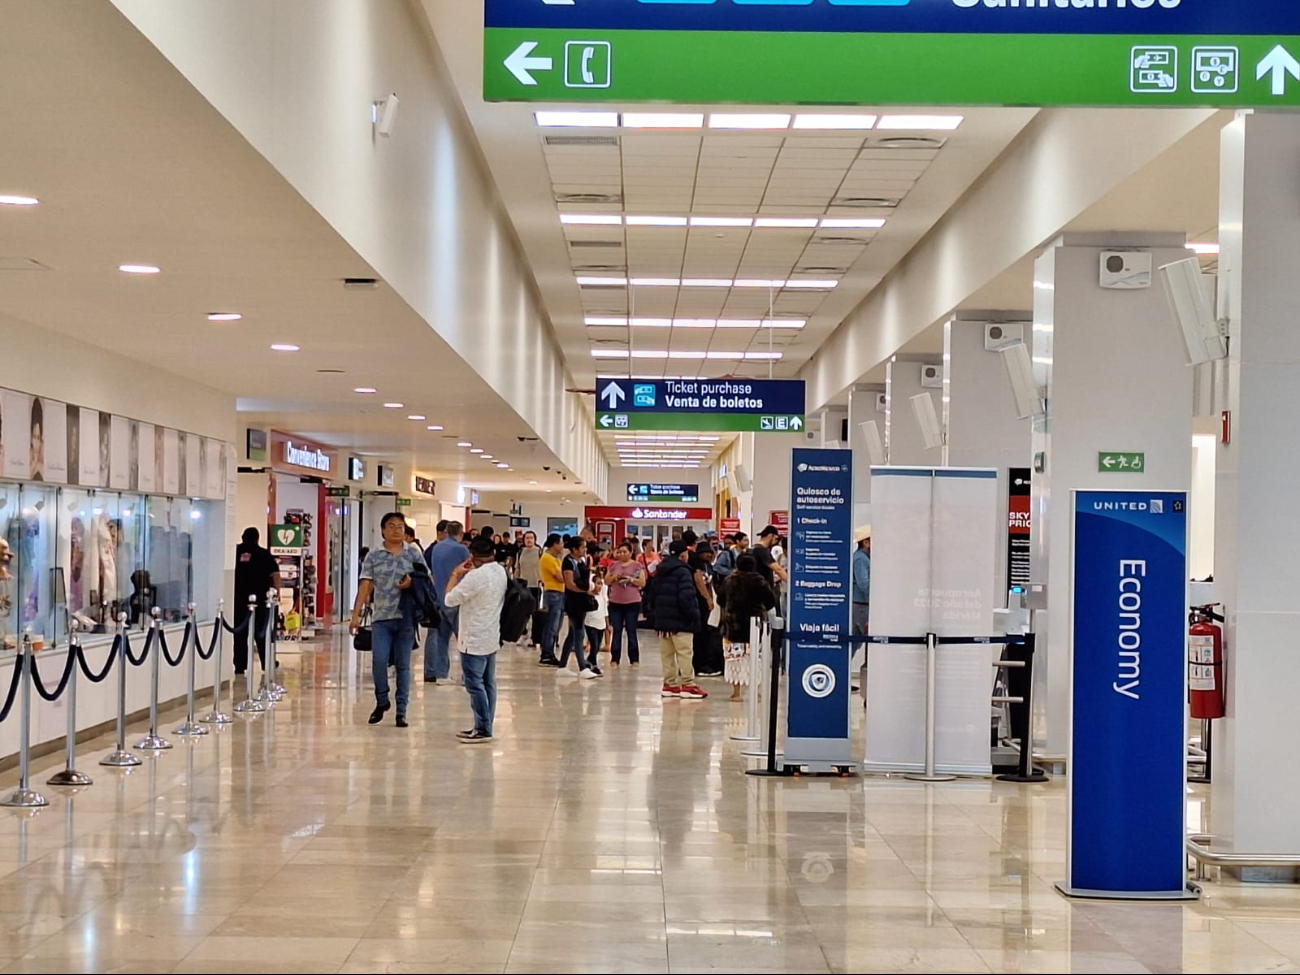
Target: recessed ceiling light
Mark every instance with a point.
(726, 120)
(504, 466)
(639, 221)
(139, 269)
(532, 482)
(787, 222)
(577, 120)
(8, 200)
(464, 443)
(224, 316)
(476, 450)
(922, 123)
(722, 221)
(435, 427)
(834, 121)
(487, 456)
(417, 416)
(284, 347)
(364, 390)
(663, 120)
(1205, 250)
(393, 406)
(591, 219)
(853, 223)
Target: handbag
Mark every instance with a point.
(363, 641)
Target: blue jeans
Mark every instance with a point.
(554, 617)
(437, 648)
(480, 675)
(392, 640)
(576, 644)
(624, 616)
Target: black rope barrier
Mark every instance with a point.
(144, 654)
(69, 663)
(212, 645)
(241, 628)
(180, 655)
(13, 687)
(102, 676)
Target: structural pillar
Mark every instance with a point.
(1257, 525)
(1113, 367)
(979, 409)
(904, 441)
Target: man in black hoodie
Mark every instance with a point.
(675, 612)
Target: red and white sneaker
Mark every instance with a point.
(692, 691)
(670, 691)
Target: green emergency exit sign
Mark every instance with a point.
(1121, 462)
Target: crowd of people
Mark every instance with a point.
(698, 596)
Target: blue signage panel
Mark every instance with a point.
(1129, 666)
(784, 396)
(1203, 17)
(821, 550)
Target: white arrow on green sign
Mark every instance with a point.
(1121, 462)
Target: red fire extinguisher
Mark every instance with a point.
(1205, 664)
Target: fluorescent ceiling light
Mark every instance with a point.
(834, 121)
(656, 282)
(464, 443)
(1205, 250)
(434, 427)
(393, 406)
(9, 200)
(577, 120)
(602, 282)
(417, 416)
(597, 320)
(765, 356)
(532, 482)
(785, 323)
(727, 120)
(639, 221)
(812, 285)
(609, 353)
(224, 316)
(694, 323)
(921, 123)
(739, 323)
(139, 269)
(853, 223)
(591, 219)
(284, 347)
(685, 354)
(503, 466)
(802, 222)
(663, 120)
(653, 322)
(649, 354)
(758, 283)
(707, 283)
(487, 457)
(476, 450)
(364, 390)
(722, 221)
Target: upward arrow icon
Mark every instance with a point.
(1279, 63)
(613, 394)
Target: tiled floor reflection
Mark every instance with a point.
(604, 831)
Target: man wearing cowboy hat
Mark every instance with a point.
(862, 580)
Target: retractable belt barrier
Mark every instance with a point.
(26, 677)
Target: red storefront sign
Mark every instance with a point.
(650, 512)
(291, 454)
(728, 526)
(780, 520)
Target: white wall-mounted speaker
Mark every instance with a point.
(928, 420)
(743, 479)
(875, 446)
(932, 377)
(1125, 270)
(1188, 290)
(1020, 370)
(882, 402)
(733, 485)
(999, 335)
(383, 114)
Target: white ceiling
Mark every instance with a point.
(132, 165)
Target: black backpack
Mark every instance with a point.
(517, 610)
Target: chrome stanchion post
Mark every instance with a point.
(751, 702)
(121, 758)
(759, 689)
(271, 672)
(251, 704)
(23, 797)
(191, 728)
(69, 774)
(216, 716)
(153, 742)
(931, 668)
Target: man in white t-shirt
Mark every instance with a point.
(478, 587)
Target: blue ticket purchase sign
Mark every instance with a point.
(1128, 695)
(821, 549)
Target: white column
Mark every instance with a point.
(904, 444)
(1114, 367)
(979, 409)
(771, 476)
(1256, 769)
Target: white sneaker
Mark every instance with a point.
(587, 674)
(565, 672)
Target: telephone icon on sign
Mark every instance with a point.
(587, 64)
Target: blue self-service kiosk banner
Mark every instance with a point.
(821, 549)
(1129, 660)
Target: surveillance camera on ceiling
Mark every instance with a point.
(1188, 290)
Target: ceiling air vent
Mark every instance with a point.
(907, 142)
(821, 270)
(598, 268)
(22, 264)
(581, 140)
(870, 202)
(589, 198)
(830, 239)
(595, 243)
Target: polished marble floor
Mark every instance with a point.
(604, 830)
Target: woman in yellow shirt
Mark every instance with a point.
(553, 598)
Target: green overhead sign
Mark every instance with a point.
(1121, 462)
